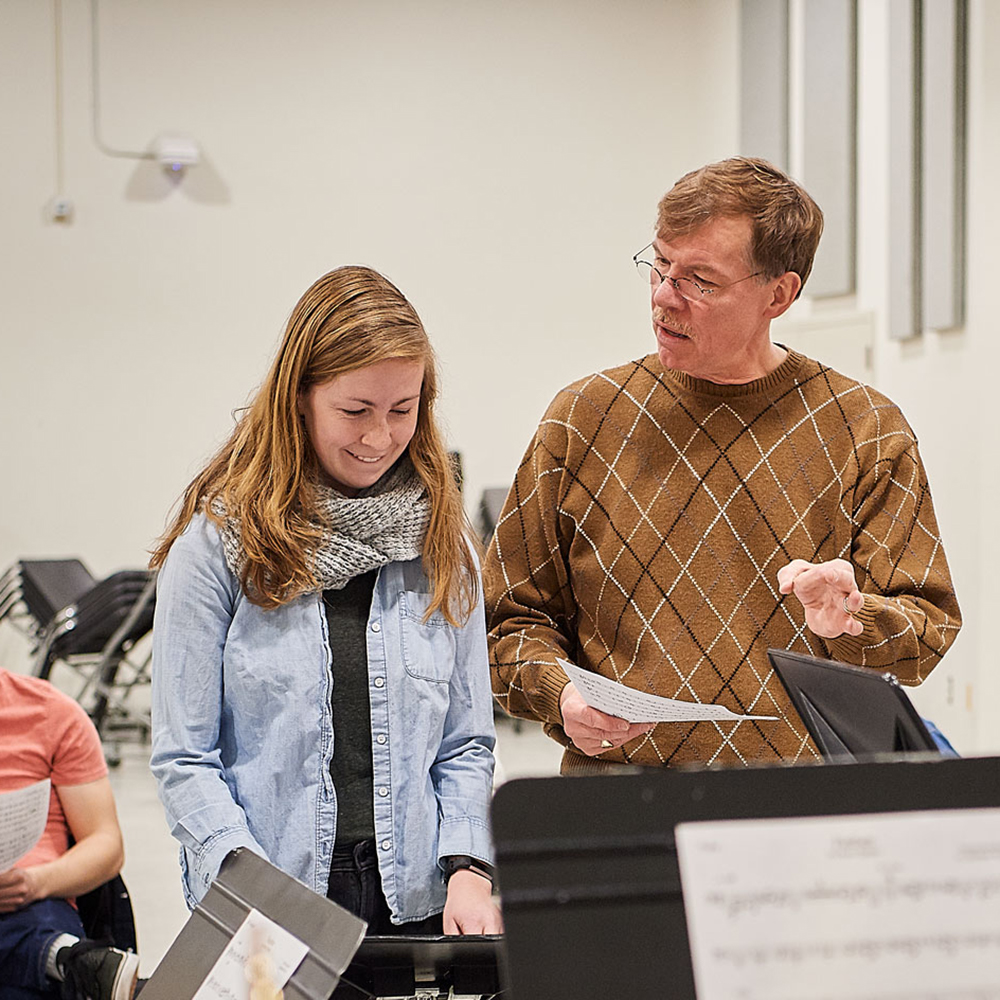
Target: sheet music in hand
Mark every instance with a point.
(639, 706)
(23, 814)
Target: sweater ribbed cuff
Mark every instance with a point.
(545, 698)
(579, 764)
(850, 648)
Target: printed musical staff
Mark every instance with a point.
(868, 907)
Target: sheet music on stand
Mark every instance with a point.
(592, 896)
(248, 898)
(871, 907)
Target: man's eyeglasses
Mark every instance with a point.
(687, 288)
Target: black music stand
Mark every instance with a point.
(588, 871)
(851, 712)
(400, 966)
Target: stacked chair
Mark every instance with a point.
(490, 504)
(31, 592)
(93, 627)
(487, 515)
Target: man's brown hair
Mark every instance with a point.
(786, 222)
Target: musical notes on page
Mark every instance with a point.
(870, 907)
(23, 814)
(640, 706)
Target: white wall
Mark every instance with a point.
(944, 381)
(501, 162)
(971, 408)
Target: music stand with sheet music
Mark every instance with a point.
(247, 882)
(851, 712)
(588, 872)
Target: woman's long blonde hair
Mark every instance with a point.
(265, 473)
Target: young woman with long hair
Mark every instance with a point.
(320, 684)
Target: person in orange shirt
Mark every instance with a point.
(44, 952)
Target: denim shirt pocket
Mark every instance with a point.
(428, 646)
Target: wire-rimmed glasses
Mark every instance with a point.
(687, 288)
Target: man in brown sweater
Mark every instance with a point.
(676, 516)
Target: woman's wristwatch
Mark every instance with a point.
(457, 862)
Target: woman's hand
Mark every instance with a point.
(469, 908)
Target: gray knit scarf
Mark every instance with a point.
(382, 524)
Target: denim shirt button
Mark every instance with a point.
(383, 791)
(381, 738)
(289, 648)
(386, 844)
(376, 627)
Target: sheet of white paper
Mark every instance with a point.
(228, 977)
(870, 907)
(639, 706)
(22, 819)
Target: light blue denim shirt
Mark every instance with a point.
(243, 728)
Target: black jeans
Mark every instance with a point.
(355, 884)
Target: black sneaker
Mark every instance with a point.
(95, 971)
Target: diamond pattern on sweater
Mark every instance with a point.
(648, 520)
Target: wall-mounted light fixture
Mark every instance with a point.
(175, 152)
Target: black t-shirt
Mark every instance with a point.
(347, 612)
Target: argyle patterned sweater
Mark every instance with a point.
(644, 532)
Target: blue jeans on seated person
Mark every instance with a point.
(25, 938)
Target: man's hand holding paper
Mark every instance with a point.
(599, 714)
(592, 730)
